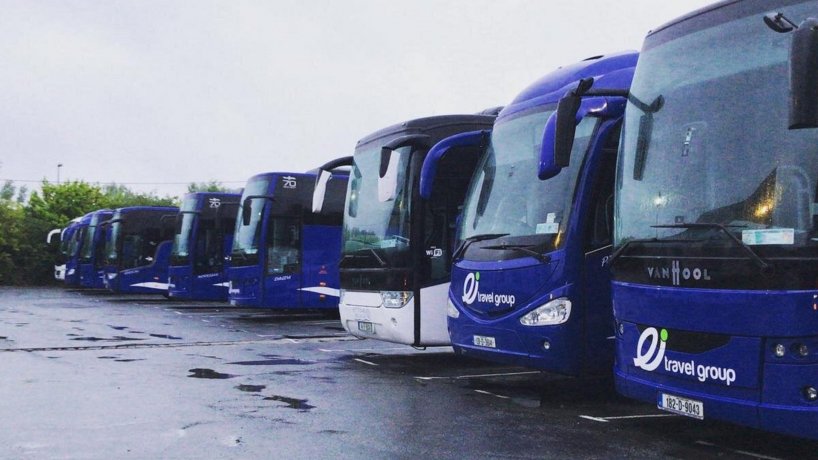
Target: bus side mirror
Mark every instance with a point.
(548, 167)
(320, 190)
(804, 75)
(558, 136)
(246, 212)
(388, 175)
(56, 231)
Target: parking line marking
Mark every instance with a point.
(475, 376)
(595, 419)
(737, 451)
(484, 392)
(365, 362)
(624, 417)
(355, 350)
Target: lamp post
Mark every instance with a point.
(59, 166)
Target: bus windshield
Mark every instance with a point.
(246, 237)
(376, 233)
(111, 244)
(507, 198)
(707, 151)
(87, 247)
(180, 253)
(65, 243)
(76, 241)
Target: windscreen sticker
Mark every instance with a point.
(548, 228)
(768, 236)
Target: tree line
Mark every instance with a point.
(27, 217)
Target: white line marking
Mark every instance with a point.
(484, 392)
(640, 416)
(365, 362)
(742, 452)
(623, 417)
(475, 376)
(596, 419)
(356, 350)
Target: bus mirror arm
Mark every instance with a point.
(803, 75)
(560, 129)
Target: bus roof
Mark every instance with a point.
(551, 87)
(445, 124)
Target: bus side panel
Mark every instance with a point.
(319, 266)
(245, 288)
(148, 279)
(433, 328)
(282, 290)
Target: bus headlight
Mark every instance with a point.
(552, 313)
(395, 299)
(451, 310)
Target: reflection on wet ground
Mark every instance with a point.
(116, 338)
(273, 362)
(292, 403)
(200, 373)
(251, 388)
(165, 336)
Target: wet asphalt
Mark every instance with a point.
(93, 375)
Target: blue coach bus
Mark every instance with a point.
(528, 282)
(716, 235)
(73, 245)
(137, 249)
(286, 243)
(91, 259)
(204, 236)
(399, 222)
(66, 237)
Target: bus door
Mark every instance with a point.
(283, 280)
(596, 278)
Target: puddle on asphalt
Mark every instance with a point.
(251, 388)
(118, 328)
(3, 337)
(107, 357)
(292, 403)
(200, 373)
(116, 338)
(165, 336)
(129, 360)
(273, 362)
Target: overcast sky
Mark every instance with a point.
(158, 94)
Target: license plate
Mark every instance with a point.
(366, 326)
(681, 406)
(483, 341)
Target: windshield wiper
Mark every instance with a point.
(378, 258)
(472, 239)
(762, 264)
(526, 248)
